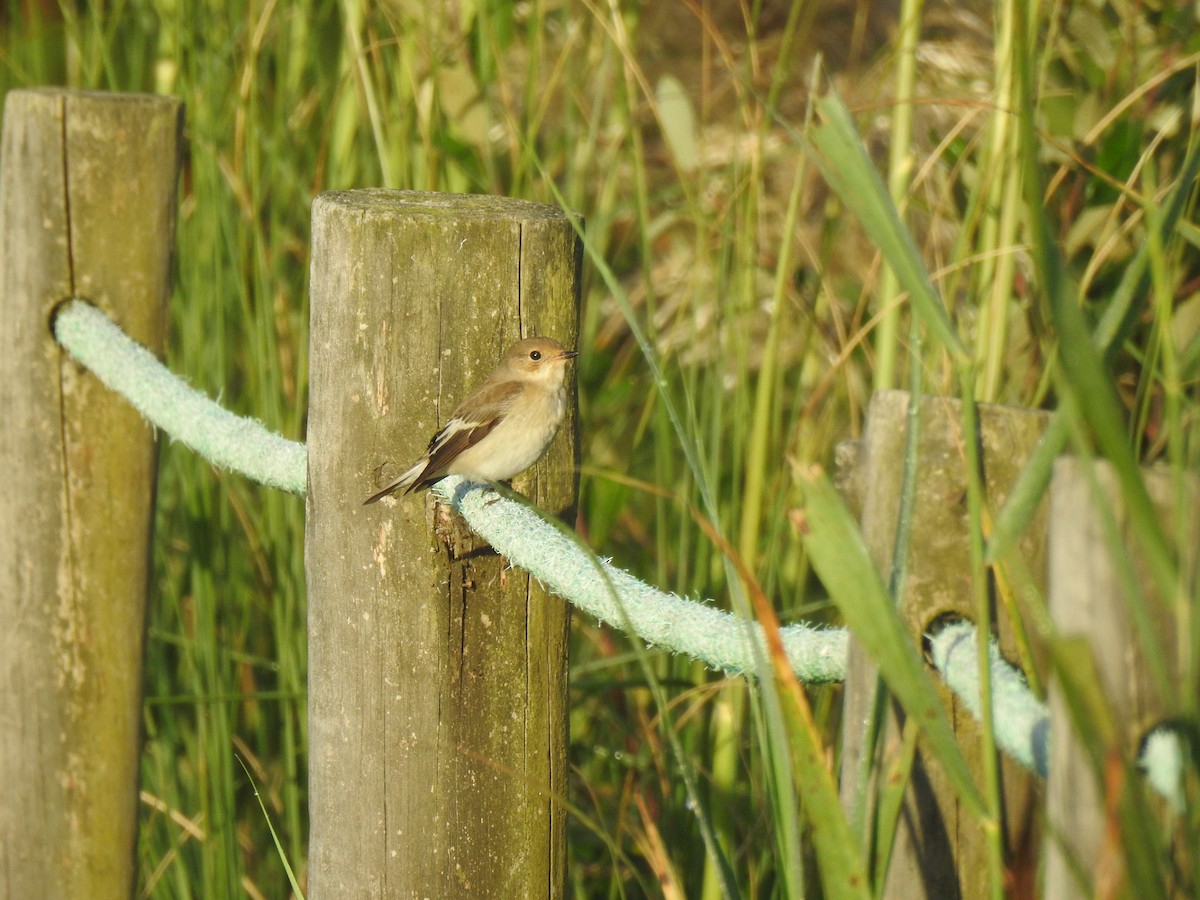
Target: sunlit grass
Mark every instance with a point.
(753, 286)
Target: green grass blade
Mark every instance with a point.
(839, 857)
(893, 790)
(843, 160)
(287, 868)
(1082, 370)
(841, 559)
(982, 602)
(1031, 487)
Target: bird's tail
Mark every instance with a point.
(405, 483)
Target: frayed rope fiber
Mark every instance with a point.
(613, 596)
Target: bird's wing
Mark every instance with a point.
(465, 430)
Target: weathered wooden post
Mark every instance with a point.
(87, 208)
(1089, 602)
(939, 852)
(437, 677)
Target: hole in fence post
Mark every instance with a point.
(934, 626)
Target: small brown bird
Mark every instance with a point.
(504, 427)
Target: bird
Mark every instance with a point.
(501, 429)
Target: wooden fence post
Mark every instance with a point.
(1088, 602)
(939, 851)
(87, 208)
(437, 677)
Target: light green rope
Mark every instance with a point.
(615, 597)
(226, 440)
(516, 531)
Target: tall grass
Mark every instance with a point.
(720, 257)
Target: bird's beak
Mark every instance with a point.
(568, 354)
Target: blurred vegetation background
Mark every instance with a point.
(678, 130)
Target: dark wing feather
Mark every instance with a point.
(443, 448)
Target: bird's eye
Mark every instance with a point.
(535, 355)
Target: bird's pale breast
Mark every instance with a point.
(516, 443)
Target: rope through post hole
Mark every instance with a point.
(596, 587)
